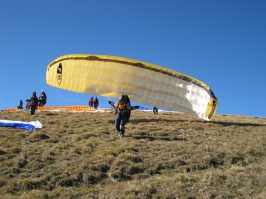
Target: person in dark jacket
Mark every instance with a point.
(155, 110)
(20, 106)
(42, 98)
(96, 103)
(123, 111)
(33, 103)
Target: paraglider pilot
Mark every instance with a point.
(33, 103)
(123, 111)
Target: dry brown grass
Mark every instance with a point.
(169, 155)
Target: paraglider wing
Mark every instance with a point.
(22, 125)
(143, 82)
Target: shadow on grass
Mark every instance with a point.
(152, 138)
(237, 124)
(136, 121)
(51, 114)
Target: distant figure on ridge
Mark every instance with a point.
(33, 103)
(91, 102)
(27, 105)
(155, 110)
(42, 98)
(20, 106)
(96, 103)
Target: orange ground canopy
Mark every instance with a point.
(63, 108)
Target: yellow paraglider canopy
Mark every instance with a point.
(143, 82)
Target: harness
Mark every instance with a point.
(122, 109)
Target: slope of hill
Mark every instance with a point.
(169, 155)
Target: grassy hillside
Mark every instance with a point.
(169, 155)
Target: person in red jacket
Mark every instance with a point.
(91, 102)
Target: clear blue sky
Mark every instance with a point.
(222, 43)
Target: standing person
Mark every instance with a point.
(96, 103)
(33, 103)
(155, 110)
(123, 111)
(20, 106)
(42, 98)
(27, 104)
(91, 102)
